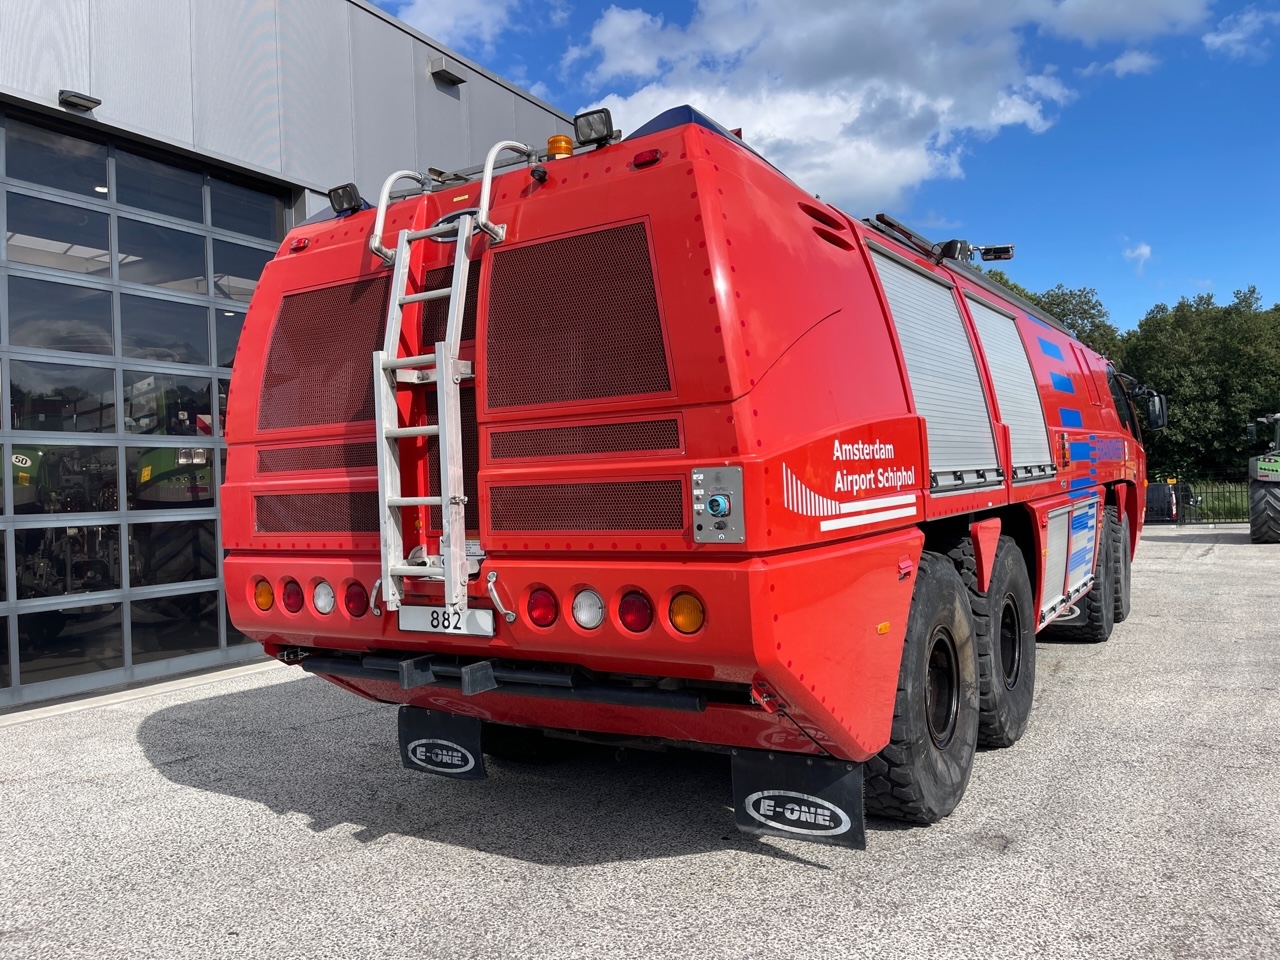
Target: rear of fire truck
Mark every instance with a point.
(542, 450)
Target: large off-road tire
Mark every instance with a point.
(922, 774)
(1098, 606)
(522, 744)
(1121, 562)
(1264, 512)
(1004, 628)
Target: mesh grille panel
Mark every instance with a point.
(333, 457)
(435, 313)
(575, 319)
(316, 513)
(599, 438)
(319, 366)
(630, 505)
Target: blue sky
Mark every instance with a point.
(1132, 146)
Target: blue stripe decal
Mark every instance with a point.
(1050, 349)
(1082, 450)
(1062, 383)
(1082, 494)
(1039, 321)
(1079, 482)
(1080, 557)
(1081, 521)
(1070, 417)
(1093, 471)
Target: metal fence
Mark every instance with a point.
(1189, 500)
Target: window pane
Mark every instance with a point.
(243, 210)
(55, 396)
(65, 643)
(228, 326)
(161, 257)
(236, 269)
(174, 626)
(56, 235)
(163, 330)
(169, 478)
(58, 316)
(64, 479)
(5, 679)
(53, 561)
(56, 160)
(159, 187)
(172, 552)
(166, 404)
(224, 388)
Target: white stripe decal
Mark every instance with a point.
(860, 506)
(865, 518)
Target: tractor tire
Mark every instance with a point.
(1121, 562)
(1264, 512)
(1098, 606)
(922, 773)
(522, 745)
(1004, 622)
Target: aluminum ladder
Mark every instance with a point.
(441, 367)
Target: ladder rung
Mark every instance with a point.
(437, 231)
(400, 363)
(414, 501)
(422, 571)
(441, 294)
(429, 431)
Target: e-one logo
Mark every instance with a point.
(797, 813)
(441, 756)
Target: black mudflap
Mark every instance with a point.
(799, 797)
(442, 743)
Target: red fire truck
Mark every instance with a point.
(634, 441)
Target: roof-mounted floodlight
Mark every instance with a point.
(594, 126)
(81, 101)
(345, 198)
(1002, 251)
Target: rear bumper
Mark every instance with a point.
(819, 630)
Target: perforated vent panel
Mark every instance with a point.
(630, 505)
(575, 319)
(635, 437)
(319, 365)
(470, 459)
(316, 513)
(435, 313)
(332, 457)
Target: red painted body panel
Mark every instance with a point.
(783, 360)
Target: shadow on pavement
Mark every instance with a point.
(1195, 535)
(304, 747)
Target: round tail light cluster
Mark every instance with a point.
(635, 612)
(324, 599)
(291, 596)
(543, 608)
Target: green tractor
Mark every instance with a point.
(1264, 485)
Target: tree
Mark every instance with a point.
(1079, 310)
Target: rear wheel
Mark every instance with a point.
(1004, 625)
(1121, 561)
(1264, 512)
(922, 774)
(1098, 606)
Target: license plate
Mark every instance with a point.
(472, 623)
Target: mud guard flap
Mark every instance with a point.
(799, 797)
(441, 743)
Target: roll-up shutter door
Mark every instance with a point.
(943, 373)
(1016, 391)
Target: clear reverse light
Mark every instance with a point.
(323, 597)
(588, 609)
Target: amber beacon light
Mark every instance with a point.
(559, 147)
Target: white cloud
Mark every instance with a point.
(862, 100)
(1138, 254)
(1241, 34)
(1131, 61)
(464, 24)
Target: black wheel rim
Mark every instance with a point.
(942, 697)
(1010, 643)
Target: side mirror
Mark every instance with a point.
(1157, 412)
(1253, 432)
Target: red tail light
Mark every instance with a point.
(356, 600)
(636, 612)
(291, 596)
(542, 608)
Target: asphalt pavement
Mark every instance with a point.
(264, 814)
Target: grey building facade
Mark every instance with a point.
(131, 238)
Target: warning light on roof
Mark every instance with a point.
(559, 146)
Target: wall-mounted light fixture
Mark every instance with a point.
(448, 70)
(81, 101)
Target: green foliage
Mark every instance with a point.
(1219, 364)
(1079, 310)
